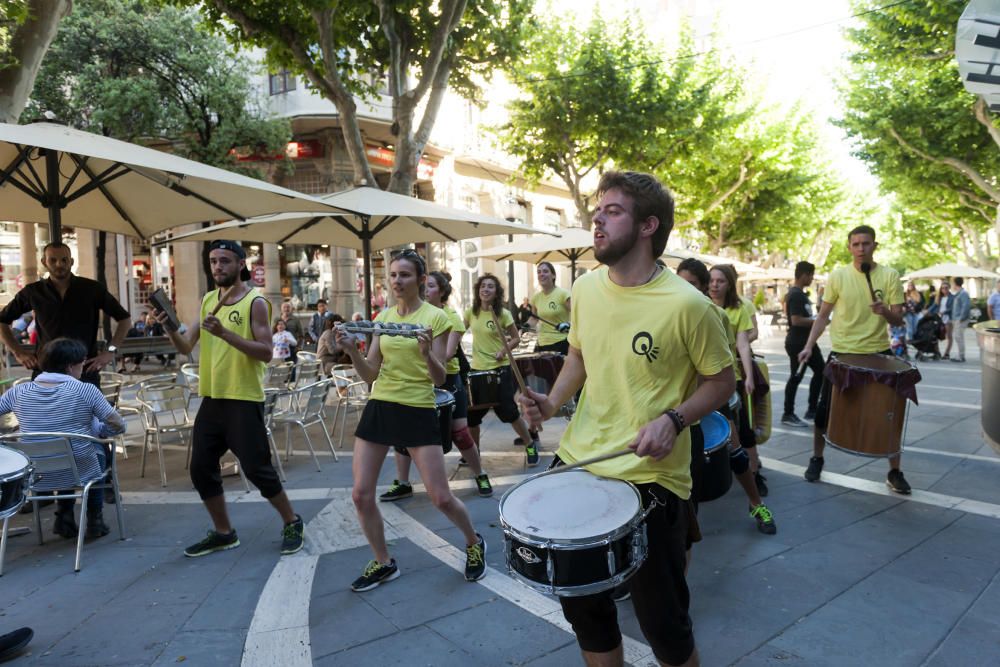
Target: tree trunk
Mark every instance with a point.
(27, 47)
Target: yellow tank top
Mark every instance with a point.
(224, 371)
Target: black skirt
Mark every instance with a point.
(397, 425)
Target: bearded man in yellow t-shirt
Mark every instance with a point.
(640, 336)
(859, 328)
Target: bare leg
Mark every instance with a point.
(746, 480)
(368, 459)
(402, 467)
(471, 455)
(474, 430)
(521, 428)
(281, 503)
(615, 658)
(819, 441)
(217, 511)
(430, 463)
(894, 462)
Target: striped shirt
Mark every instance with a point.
(68, 407)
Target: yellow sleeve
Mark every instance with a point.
(457, 325)
(832, 291)
(506, 319)
(708, 346)
(440, 324)
(894, 293)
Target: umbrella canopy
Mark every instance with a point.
(55, 174)
(951, 270)
(372, 220)
(574, 245)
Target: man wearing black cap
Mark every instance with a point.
(231, 383)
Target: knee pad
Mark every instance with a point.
(463, 439)
(739, 461)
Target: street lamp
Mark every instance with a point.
(511, 209)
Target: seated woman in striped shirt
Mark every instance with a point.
(56, 400)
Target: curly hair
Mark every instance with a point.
(477, 304)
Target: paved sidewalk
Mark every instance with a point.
(855, 575)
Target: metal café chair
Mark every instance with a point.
(306, 373)
(164, 412)
(354, 396)
(305, 408)
(277, 376)
(271, 397)
(51, 452)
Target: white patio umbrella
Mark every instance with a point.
(574, 245)
(372, 220)
(977, 49)
(55, 174)
(951, 270)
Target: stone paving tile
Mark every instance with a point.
(415, 647)
(567, 655)
(972, 642)
(342, 620)
(971, 479)
(500, 633)
(203, 647)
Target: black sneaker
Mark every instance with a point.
(764, 519)
(897, 482)
(475, 560)
(374, 575)
(519, 441)
(214, 542)
(484, 486)
(397, 491)
(462, 462)
(531, 452)
(64, 525)
(791, 419)
(761, 483)
(96, 528)
(292, 537)
(814, 469)
(810, 414)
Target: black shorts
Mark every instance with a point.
(659, 589)
(825, 394)
(454, 384)
(394, 424)
(562, 347)
(222, 425)
(506, 410)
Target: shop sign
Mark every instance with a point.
(386, 157)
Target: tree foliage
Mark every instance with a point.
(588, 102)
(934, 146)
(410, 50)
(148, 74)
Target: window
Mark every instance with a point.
(281, 81)
(553, 218)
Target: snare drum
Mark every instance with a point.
(573, 533)
(868, 402)
(444, 404)
(484, 389)
(717, 476)
(15, 468)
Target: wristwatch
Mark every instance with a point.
(113, 349)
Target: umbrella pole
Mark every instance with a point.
(366, 249)
(52, 186)
(511, 299)
(572, 270)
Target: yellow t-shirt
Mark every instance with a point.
(643, 348)
(457, 326)
(855, 328)
(486, 341)
(404, 377)
(224, 371)
(551, 307)
(730, 338)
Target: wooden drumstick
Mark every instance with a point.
(587, 462)
(510, 355)
(222, 299)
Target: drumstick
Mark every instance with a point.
(866, 268)
(587, 462)
(510, 355)
(222, 299)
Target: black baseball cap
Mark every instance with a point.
(235, 248)
(231, 246)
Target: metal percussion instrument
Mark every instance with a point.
(369, 328)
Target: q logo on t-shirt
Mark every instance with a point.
(642, 344)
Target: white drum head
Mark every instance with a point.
(11, 461)
(569, 506)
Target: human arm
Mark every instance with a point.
(23, 356)
(104, 358)
(746, 358)
(451, 347)
(656, 438)
(512, 338)
(796, 307)
(754, 331)
(892, 314)
(818, 327)
(539, 407)
(184, 342)
(433, 351)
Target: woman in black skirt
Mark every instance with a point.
(400, 413)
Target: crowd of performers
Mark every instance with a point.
(648, 354)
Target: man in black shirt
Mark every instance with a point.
(65, 305)
(800, 315)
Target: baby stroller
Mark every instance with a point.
(897, 337)
(930, 329)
